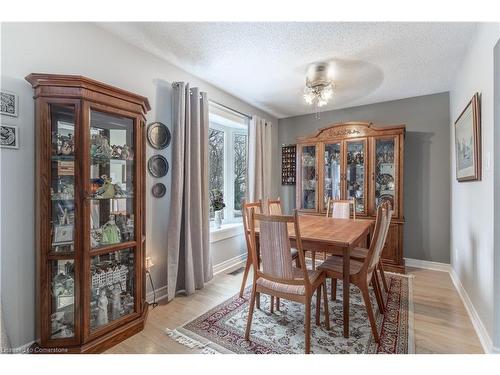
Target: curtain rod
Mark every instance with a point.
(230, 109)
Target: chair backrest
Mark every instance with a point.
(382, 223)
(245, 213)
(340, 209)
(275, 248)
(274, 206)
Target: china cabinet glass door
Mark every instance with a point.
(355, 173)
(332, 172)
(385, 172)
(62, 222)
(62, 189)
(112, 210)
(308, 177)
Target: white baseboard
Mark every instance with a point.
(479, 327)
(161, 293)
(231, 264)
(428, 265)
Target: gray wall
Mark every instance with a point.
(83, 49)
(496, 199)
(472, 210)
(427, 165)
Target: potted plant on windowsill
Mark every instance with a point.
(217, 204)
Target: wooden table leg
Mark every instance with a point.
(346, 286)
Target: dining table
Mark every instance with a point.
(336, 237)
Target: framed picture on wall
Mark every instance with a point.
(9, 103)
(468, 142)
(9, 136)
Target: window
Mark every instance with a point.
(227, 149)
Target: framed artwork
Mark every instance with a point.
(9, 103)
(63, 233)
(9, 136)
(468, 142)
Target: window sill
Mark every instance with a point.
(225, 231)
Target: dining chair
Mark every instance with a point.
(360, 253)
(337, 209)
(341, 209)
(362, 274)
(274, 206)
(258, 207)
(278, 277)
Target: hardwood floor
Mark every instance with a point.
(441, 321)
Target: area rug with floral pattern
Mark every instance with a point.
(222, 329)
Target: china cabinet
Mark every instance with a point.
(360, 162)
(90, 210)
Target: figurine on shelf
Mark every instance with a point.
(116, 152)
(99, 147)
(106, 190)
(127, 153)
(126, 229)
(128, 303)
(103, 188)
(68, 145)
(95, 237)
(110, 232)
(102, 308)
(115, 301)
(65, 144)
(119, 192)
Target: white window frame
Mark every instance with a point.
(229, 132)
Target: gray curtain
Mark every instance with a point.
(189, 261)
(259, 159)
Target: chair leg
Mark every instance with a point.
(369, 311)
(258, 300)
(245, 275)
(325, 302)
(307, 325)
(250, 313)
(272, 304)
(318, 305)
(277, 304)
(334, 289)
(378, 293)
(382, 274)
(313, 259)
(297, 262)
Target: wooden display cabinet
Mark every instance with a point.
(90, 213)
(359, 161)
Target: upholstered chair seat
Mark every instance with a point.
(299, 290)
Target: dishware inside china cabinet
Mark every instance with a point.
(112, 172)
(112, 287)
(308, 173)
(385, 172)
(62, 172)
(332, 175)
(62, 311)
(355, 173)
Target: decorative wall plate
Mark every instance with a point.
(158, 135)
(158, 190)
(158, 166)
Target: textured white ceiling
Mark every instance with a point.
(265, 63)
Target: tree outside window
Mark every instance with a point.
(227, 148)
